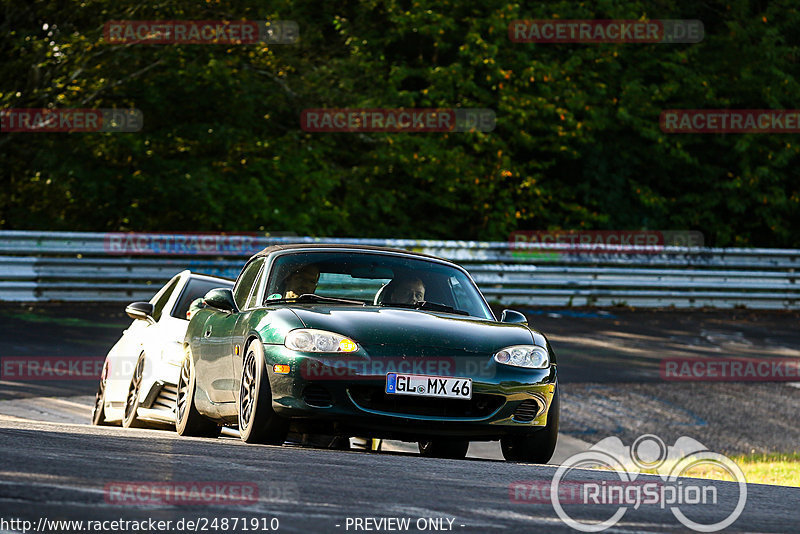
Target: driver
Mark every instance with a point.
(405, 291)
(301, 281)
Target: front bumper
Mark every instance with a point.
(350, 399)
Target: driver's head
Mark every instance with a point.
(406, 291)
(301, 281)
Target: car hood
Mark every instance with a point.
(417, 332)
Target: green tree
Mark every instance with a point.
(577, 143)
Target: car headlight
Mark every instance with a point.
(310, 340)
(530, 356)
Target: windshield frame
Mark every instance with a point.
(272, 257)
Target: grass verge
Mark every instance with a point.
(781, 469)
(777, 468)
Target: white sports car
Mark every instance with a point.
(138, 385)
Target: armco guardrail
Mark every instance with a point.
(37, 266)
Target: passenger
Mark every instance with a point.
(406, 290)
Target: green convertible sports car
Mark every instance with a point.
(364, 341)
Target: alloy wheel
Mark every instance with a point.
(132, 401)
(247, 392)
(183, 390)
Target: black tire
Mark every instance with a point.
(188, 421)
(130, 418)
(444, 448)
(258, 422)
(99, 410)
(536, 448)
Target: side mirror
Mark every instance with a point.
(196, 305)
(221, 299)
(142, 311)
(512, 316)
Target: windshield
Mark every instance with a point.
(376, 279)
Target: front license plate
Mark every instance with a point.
(429, 386)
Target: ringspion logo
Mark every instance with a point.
(412, 120)
(43, 120)
(606, 31)
(227, 32)
(585, 491)
(694, 502)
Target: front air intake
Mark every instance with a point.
(526, 411)
(317, 396)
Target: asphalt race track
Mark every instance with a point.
(55, 468)
(59, 471)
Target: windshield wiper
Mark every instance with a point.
(435, 306)
(426, 305)
(311, 297)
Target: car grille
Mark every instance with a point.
(374, 398)
(166, 398)
(526, 411)
(317, 396)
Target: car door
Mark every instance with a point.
(134, 340)
(218, 339)
(163, 344)
(253, 301)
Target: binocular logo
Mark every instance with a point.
(685, 497)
